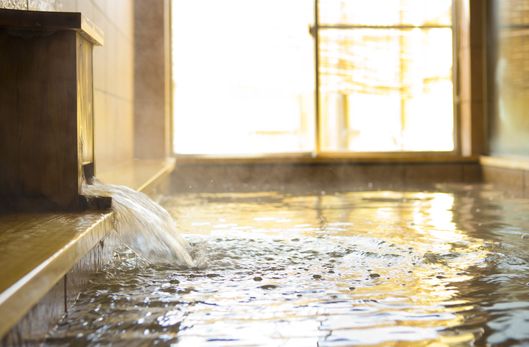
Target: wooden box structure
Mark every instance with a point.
(46, 109)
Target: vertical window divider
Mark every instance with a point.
(317, 111)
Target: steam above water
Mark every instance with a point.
(143, 225)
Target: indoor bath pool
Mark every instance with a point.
(428, 267)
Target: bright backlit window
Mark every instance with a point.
(245, 73)
(243, 76)
(386, 75)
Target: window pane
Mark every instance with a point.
(243, 76)
(386, 12)
(386, 89)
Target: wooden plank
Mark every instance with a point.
(38, 137)
(85, 100)
(50, 21)
(39, 19)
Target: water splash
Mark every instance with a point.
(143, 225)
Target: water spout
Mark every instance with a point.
(143, 225)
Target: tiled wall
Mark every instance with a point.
(510, 66)
(113, 72)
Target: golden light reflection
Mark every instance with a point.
(422, 221)
(404, 252)
(244, 76)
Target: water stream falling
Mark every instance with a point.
(143, 225)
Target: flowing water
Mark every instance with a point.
(143, 225)
(430, 267)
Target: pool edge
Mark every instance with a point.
(42, 284)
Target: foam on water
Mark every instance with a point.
(143, 225)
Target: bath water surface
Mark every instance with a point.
(429, 267)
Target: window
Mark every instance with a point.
(243, 76)
(246, 75)
(386, 75)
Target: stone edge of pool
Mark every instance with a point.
(39, 287)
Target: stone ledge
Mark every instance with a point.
(519, 163)
(507, 173)
(39, 249)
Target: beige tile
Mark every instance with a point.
(111, 60)
(102, 133)
(114, 129)
(126, 129)
(100, 65)
(122, 14)
(99, 18)
(112, 8)
(67, 5)
(86, 7)
(129, 71)
(122, 72)
(100, 4)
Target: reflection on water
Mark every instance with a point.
(445, 267)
